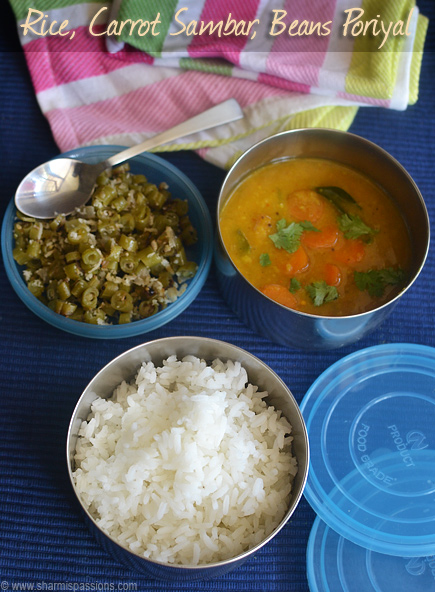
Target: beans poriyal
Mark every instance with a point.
(119, 259)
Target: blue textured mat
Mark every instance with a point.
(43, 371)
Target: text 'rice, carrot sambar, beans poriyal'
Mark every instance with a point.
(317, 236)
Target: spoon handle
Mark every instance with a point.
(225, 112)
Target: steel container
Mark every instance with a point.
(125, 367)
(297, 329)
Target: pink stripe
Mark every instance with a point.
(202, 152)
(228, 47)
(284, 84)
(368, 100)
(299, 58)
(52, 62)
(152, 108)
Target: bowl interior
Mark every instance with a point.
(125, 367)
(353, 151)
(156, 170)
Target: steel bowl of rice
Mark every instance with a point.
(187, 455)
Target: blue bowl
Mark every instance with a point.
(156, 170)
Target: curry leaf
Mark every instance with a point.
(338, 197)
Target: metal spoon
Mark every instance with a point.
(63, 184)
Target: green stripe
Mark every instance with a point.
(373, 71)
(417, 56)
(136, 10)
(212, 66)
(334, 117)
(21, 7)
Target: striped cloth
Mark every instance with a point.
(96, 89)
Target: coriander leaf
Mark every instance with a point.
(294, 285)
(321, 292)
(370, 281)
(353, 227)
(287, 237)
(392, 276)
(306, 225)
(376, 280)
(265, 260)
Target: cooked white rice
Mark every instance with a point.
(186, 465)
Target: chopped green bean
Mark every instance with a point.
(78, 288)
(35, 231)
(78, 235)
(109, 289)
(72, 256)
(33, 250)
(63, 290)
(73, 271)
(147, 309)
(129, 243)
(68, 308)
(92, 257)
(187, 271)
(96, 316)
(36, 287)
(122, 301)
(89, 298)
(128, 263)
(124, 317)
(127, 222)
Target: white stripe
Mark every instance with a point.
(104, 87)
(112, 45)
(176, 45)
(256, 51)
(245, 74)
(77, 15)
(170, 61)
(332, 74)
(265, 115)
(400, 97)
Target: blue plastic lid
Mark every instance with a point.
(371, 424)
(334, 564)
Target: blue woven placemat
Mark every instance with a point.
(44, 541)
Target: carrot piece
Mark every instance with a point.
(262, 226)
(352, 251)
(293, 263)
(280, 294)
(298, 261)
(305, 205)
(320, 240)
(332, 274)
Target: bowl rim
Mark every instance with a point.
(132, 329)
(357, 138)
(294, 501)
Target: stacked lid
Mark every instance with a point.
(371, 424)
